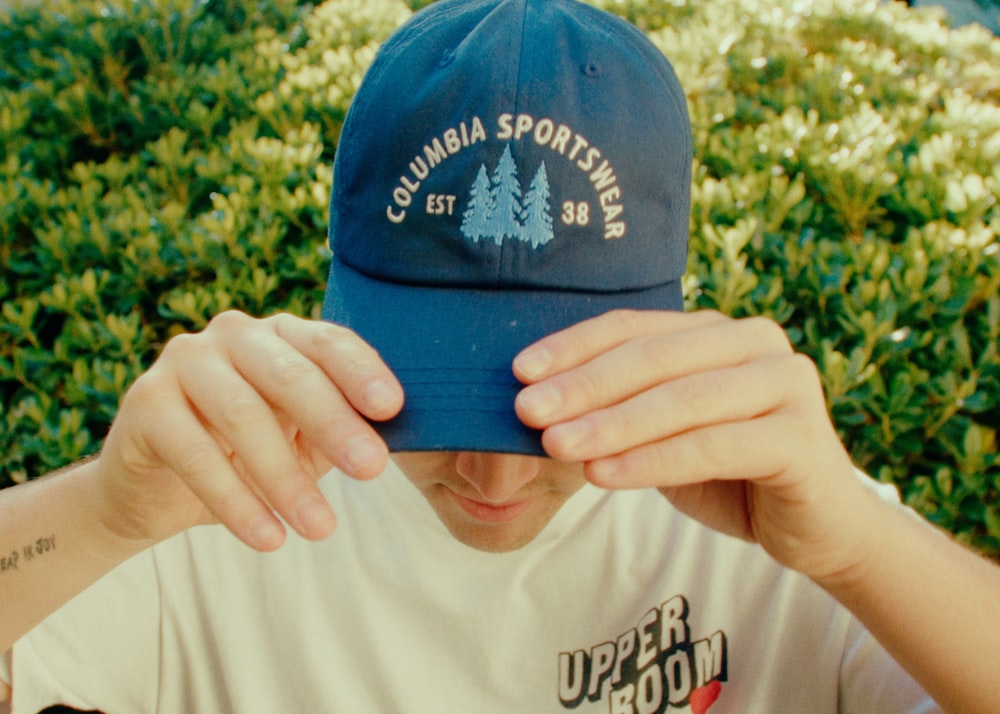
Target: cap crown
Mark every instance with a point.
(541, 144)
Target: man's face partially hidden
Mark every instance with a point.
(492, 502)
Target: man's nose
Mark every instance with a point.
(497, 477)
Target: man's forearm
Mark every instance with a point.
(933, 604)
(52, 546)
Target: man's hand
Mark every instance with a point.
(237, 423)
(718, 414)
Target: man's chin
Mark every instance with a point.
(492, 539)
(501, 525)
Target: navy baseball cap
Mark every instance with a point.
(507, 168)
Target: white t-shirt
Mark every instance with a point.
(621, 605)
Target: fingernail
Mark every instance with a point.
(540, 401)
(605, 470)
(362, 452)
(265, 532)
(534, 362)
(571, 435)
(379, 396)
(313, 516)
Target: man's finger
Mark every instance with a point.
(187, 449)
(586, 340)
(741, 450)
(646, 361)
(304, 370)
(680, 405)
(248, 425)
(365, 380)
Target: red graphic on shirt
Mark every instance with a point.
(703, 698)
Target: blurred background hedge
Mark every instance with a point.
(162, 160)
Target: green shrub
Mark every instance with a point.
(162, 160)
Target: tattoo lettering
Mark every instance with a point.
(16, 559)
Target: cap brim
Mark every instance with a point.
(452, 350)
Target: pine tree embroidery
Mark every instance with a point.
(537, 226)
(496, 209)
(475, 220)
(504, 220)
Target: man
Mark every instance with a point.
(509, 224)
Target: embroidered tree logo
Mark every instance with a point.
(537, 220)
(498, 210)
(475, 220)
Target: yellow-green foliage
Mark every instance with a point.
(161, 160)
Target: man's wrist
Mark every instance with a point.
(858, 514)
(112, 537)
(868, 533)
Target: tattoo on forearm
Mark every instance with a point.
(23, 556)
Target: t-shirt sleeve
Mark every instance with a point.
(99, 651)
